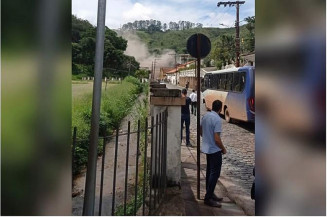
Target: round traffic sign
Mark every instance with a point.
(201, 41)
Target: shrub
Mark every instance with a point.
(116, 103)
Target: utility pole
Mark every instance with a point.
(154, 66)
(90, 182)
(175, 54)
(152, 70)
(237, 26)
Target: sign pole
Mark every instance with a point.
(198, 113)
(90, 181)
(199, 46)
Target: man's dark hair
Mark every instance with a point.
(193, 91)
(184, 91)
(216, 105)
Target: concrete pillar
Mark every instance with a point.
(171, 100)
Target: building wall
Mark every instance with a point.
(192, 80)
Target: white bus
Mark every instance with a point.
(235, 89)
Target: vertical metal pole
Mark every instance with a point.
(151, 163)
(115, 172)
(155, 165)
(144, 160)
(154, 69)
(176, 67)
(102, 171)
(137, 164)
(198, 116)
(165, 151)
(126, 165)
(237, 35)
(159, 156)
(94, 134)
(74, 147)
(162, 153)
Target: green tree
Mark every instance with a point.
(223, 50)
(142, 73)
(249, 40)
(83, 50)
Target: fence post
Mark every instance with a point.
(73, 151)
(137, 165)
(126, 166)
(145, 163)
(163, 153)
(102, 169)
(151, 163)
(115, 171)
(155, 165)
(159, 156)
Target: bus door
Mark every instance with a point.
(237, 95)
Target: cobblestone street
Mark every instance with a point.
(238, 163)
(238, 139)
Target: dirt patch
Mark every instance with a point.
(79, 181)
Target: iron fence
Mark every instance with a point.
(148, 173)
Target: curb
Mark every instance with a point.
(236, 194)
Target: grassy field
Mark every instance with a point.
(116, 103)
(82, 88)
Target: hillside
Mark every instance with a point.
(176, 40)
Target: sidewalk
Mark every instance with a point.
(194, 207)
(183, 202)
(234, 166)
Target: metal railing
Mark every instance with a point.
(150, 150)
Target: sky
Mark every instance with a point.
(119, 12)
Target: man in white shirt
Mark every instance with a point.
(193, 97)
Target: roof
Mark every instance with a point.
(224, 70)
(180, 66)
(249, 57)
(229, 70)
(166, 69)
(209, 69)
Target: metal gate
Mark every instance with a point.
(148, 178)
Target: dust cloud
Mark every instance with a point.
(138, 49)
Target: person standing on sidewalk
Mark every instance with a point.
(193, 97)
(185, 109)
(213, 147)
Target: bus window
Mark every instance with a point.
(209, 81)
(206, 82)
(219, 82)
(222, 82)
(239, 81)
(242, 81)
(229, 81)
(214, 81)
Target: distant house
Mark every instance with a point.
(181, 77)
(163, 72)
(249, 59)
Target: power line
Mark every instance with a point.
(237, 25)
(221, 15)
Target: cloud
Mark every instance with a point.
(120, 12)
(138, 12)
